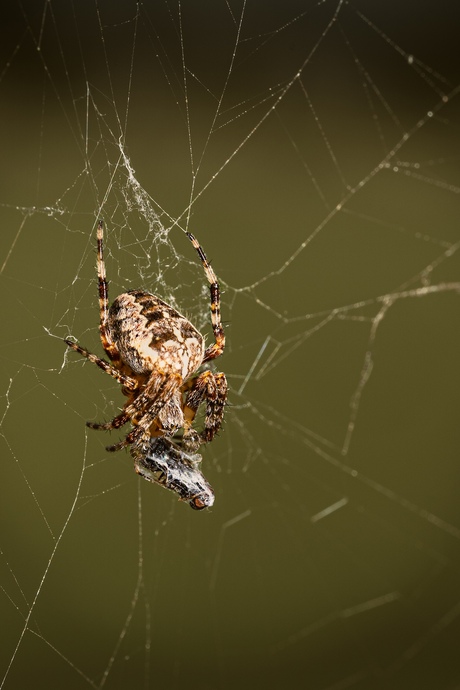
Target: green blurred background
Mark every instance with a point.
(331, 557)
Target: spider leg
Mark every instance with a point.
(127, 381)
(115, 423)
(212, 388)
(217, 348)
(133, 437)
(103, 287)
(215, 408)
(146, 407)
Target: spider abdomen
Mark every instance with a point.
(150, 335)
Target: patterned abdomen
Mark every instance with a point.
(150, 335)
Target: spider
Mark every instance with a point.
(156, 355)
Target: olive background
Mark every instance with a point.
(108, 581)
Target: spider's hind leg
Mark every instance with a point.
(217, 348)
(103, 290)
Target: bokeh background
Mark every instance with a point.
(313, 148)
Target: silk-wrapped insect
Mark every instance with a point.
(161, 461)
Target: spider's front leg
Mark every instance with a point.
(212, 388)
(130, 385)
(115, 423)
(144, 409)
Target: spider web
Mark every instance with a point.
(312, 148)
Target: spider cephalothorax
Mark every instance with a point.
(156, 354)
